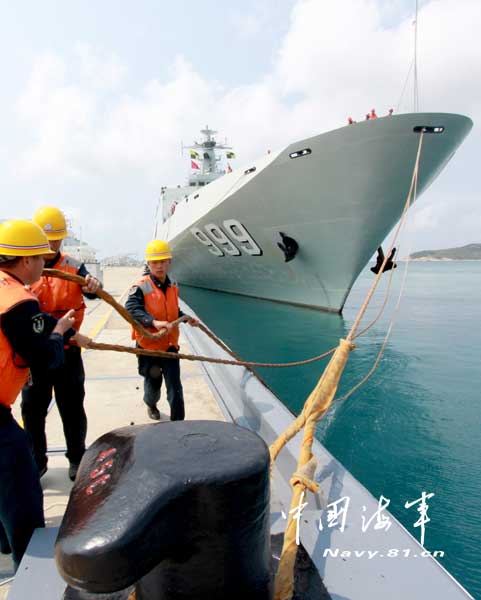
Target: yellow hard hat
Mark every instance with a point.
(157, 250)
(52, 221)
(23, 238)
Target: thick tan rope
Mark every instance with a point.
(316, 406)
(414, 179)
(391, 324)
(381, 310)
(314, 409)
(109, 300)
(171, 355)
(220, 361)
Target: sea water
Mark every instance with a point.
(414, 426)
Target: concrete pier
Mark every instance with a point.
(113, 397)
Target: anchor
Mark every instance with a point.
(379, 260)
(289, 246)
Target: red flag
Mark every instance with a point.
(229, 168)
(194, 165)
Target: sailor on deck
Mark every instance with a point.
(154, 302)
(57, 296)
(28, 339)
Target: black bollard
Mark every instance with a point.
(178, 509)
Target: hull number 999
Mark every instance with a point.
(232, 239)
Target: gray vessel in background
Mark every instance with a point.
(84, 253)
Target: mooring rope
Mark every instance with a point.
(106, 297)
(171, 355)
(393, 241)
(315, 407)
(236, 361)
(381, 310)
(220, 361)
(297, 425)
(412, 193)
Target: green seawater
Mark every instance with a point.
(415, 425)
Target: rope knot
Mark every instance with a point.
(305, 475)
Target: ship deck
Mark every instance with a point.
(113, 398)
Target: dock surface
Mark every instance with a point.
(113, 397)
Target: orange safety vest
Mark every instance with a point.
(13, 369)
(57, 296)
(163, 307)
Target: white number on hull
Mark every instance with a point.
(220, 238)
(203, 239)
(214, 237)
(239, 234)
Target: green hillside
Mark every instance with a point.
(469, 252)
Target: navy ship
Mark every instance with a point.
(299, 224)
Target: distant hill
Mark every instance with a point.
(469, 252)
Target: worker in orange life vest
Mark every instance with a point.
(29, 339)
(154, 302)
(373, 114)
(56, 296)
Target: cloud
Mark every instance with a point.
(256, 21)
(343, 55)
(87, 126)
(425, 218)
(102, 71)
(59, 115)
(446, 222)
(246, 25)
(83, 131)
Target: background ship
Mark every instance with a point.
(83, 252)
(298, 225)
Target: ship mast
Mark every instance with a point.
(413, 67)
(416, 92)
(205, 156)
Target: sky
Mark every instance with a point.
(98, 96)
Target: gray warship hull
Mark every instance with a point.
(337, 195)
